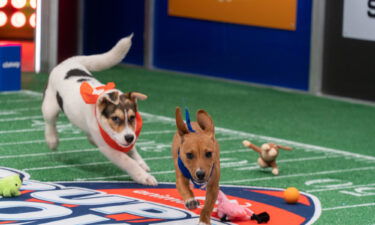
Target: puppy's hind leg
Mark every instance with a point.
(133, 153)
(50, 110)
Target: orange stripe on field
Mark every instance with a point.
(124, 216)
(69, 205)
(37, 200)
(146, 220)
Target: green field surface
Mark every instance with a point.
(333, 142)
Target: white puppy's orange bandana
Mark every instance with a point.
(90, 95)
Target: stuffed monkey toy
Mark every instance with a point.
(267, 154)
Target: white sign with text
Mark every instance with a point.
(359, 19)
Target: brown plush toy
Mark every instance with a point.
(267, 154)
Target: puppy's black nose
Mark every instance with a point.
(129, 138)
(200, 174)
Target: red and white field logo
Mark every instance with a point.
(73, 203)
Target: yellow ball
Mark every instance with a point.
(291, 195)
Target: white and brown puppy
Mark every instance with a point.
(110, 121)
(196, 158)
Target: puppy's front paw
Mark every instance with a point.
(52, 142)
(147, 179)
(191, 203)
(201, 223)
(144, 166)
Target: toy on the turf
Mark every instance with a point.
(291, 195)
(267, 154)
(232, 211)
(10, 185)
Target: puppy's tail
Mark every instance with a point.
(108, 59)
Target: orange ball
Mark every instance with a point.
(291, 195)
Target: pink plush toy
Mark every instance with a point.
(232, 211)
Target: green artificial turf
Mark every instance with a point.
(333, 156)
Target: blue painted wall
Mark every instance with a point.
(105, 22)
(255, 54)
(238, 52)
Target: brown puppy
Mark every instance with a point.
(196, 158)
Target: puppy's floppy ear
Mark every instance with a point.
(138, 96)
(205, 122)
(181, 126)
(103, 102)
(134, 96)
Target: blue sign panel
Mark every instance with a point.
(10, 67)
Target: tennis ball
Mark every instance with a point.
(291, 195)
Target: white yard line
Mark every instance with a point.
(48, 153)
(233, 164)
(41, 141)
(13, 92)
(340, 188)
(229, 139)
(19, 101)
(349, 206)
(13, 111)
(290, 160)
(66, 139)
(300, 175)
(42, 129)
(64, 166)
(7, 112)
(86, 164)
(21, 131)
(22, 109)
(32, 93)
(123, 176)
(21, 118)
(35, 96)
(28, 108)
(23, 92)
